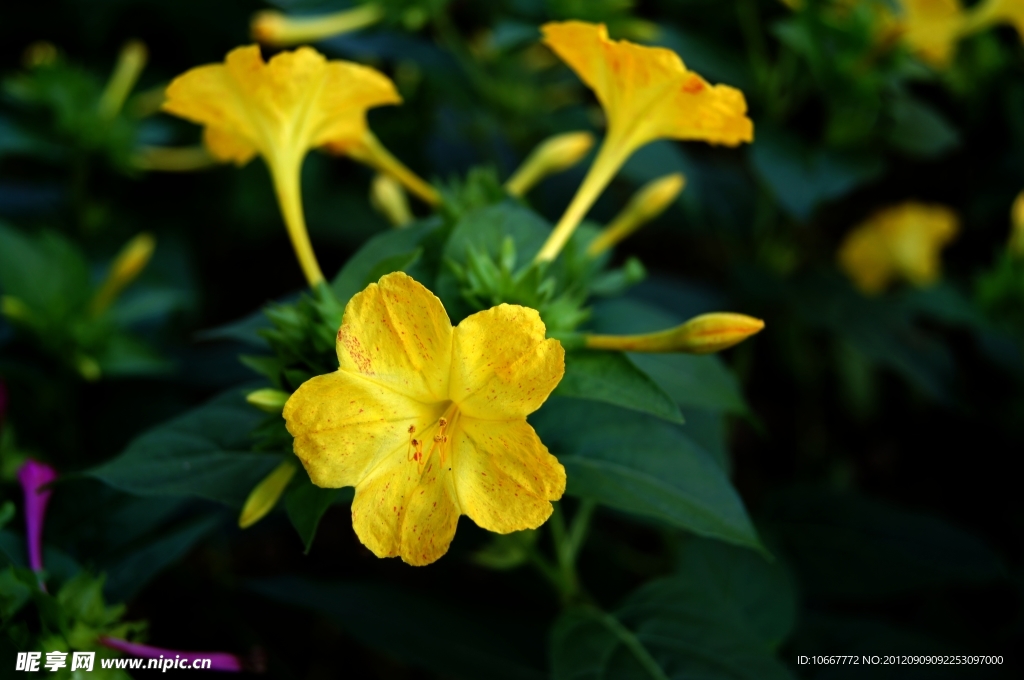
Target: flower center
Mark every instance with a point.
(435, 437)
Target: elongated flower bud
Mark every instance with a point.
(702, 334)
(388, 197)
(126, 73)
(553, 155)
(278, 30)
(1016, 244)
(268, 399)
(33, 476)
(128, 264)
(650, 201)
(265, 495)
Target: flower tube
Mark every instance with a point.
(647, 93)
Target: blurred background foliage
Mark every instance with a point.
(872, 437)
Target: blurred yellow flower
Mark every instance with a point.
(280, 110)
(429, 422)
(280, 30)
(931, 28)
(902, 241)
(990, 12)
(647, 93)
(1016, 244)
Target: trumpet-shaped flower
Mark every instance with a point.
(428, 422)
(647, 93)
(280, 110)
(903, 241)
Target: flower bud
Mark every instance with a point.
(388, 197)
(702, 334)
(1016, 244)
(39, 53)
(553, 155)
(265, 495)
(269, 399)
(127, 70)
(650, 201)
(128, 264)
(279, 30)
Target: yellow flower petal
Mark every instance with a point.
(295, 102)
(647, 92)
(504, 475)
(932, 28)
(396, 333)
(407, 509)
(502, 367)
(344, 424)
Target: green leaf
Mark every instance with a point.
(852, 547)
(919, 130)
(395, 250)
(640, 464)
(128, 575)
(427, 632)
(306, 503)
(47, 273)
(206, 452)
(689, 626)
(693, 381)
(610, 377)
(802, 177)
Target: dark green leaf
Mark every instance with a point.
(803, 178)
(919, 130)
(431, 633)
(640, 464)
(306, 503)
(848, 546)
(695, 381)
(205, 452)
(610, 377)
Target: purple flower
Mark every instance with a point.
(34, 475)
(219, 661)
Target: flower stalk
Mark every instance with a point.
(371, 152)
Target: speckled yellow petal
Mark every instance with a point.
(502, 367)
(504, 476)
(396, 333)
(296, 101)
(647, 92)
(344, 425)
(406, 508)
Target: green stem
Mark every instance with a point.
(634, 645)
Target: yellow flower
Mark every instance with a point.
(903, 241)
(429, 422)
(280, 110)
(931, 28)
(991, 12)
(647, 94)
